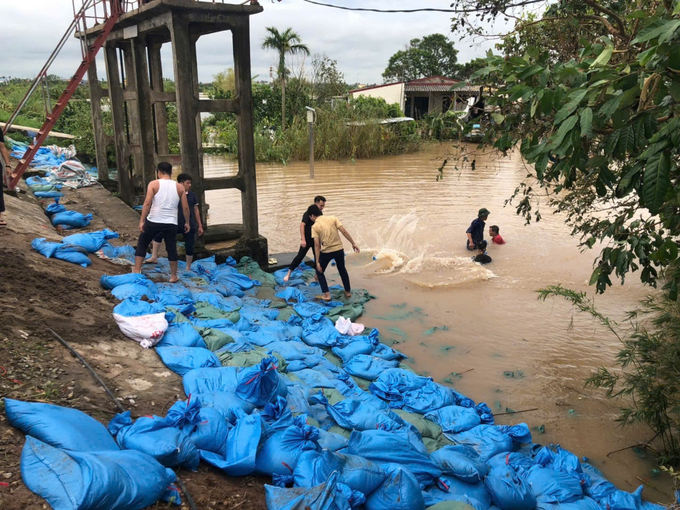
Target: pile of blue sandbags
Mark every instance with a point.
(337, 421)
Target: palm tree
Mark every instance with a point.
(287, 42)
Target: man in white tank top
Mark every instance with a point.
(159, 216)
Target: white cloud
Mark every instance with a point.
(361, 42)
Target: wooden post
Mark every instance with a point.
(100, 138)
(126, 192)
(246, 142)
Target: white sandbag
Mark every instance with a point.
(145, 329)
(345, 327)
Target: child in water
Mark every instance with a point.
(495, 234)
(482, 257)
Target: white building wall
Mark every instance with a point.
(393, 93)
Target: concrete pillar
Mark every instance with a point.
(160, 114)
(134, 130)
(118, 113)
(184, 52)
(100, 138)
(144, 110)
(246, 142)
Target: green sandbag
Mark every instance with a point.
(278, 303)
(214, 338)
(361, 382)
(359, 296)
(179, 318)
(249, 359)
(311, 421)
(333, 359)
(295, 379)
(249, 267)
(337, 429)
(206, 311)
(443, 441)
(286, 313)
(332, 395)
(42, 187)
(451, 505)
(432, 445)
(352, 312)
(427, 428)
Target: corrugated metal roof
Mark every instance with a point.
(438, 88)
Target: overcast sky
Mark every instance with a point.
(361, 42)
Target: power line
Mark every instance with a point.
(429, 9)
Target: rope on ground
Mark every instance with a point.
(517, 412)
(181, 485)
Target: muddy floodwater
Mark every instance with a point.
(480, 329)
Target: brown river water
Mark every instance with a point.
(496, 343)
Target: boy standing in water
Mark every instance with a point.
(495, 234)
(475, 232)
(306, 241)
(327, 247)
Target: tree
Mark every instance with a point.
(433, 55)
(224, 84)
(467, 69)
(285, 43)
(327, 79)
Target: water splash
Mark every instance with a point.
(396, 251)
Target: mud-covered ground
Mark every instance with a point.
(37, 294)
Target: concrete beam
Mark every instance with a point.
(163, 97)
(235, 181)
(218, 105)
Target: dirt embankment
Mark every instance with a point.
(38, 293)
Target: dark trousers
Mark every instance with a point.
(189, 241)
(324, 260)
(167, 231)
(302, 253)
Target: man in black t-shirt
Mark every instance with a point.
(5, 173)
(306, 241)
(194, 223)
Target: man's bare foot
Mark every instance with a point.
(287, 277)
(322, 297)
(348, 294)
(151, 260)
(174, 279)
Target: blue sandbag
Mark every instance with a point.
(133, 307)
(508, 490)
(461, 461)
(400, 491)
(52, 194)
(72, 219)
(61, 427)
(68, 253)
(583, 504)
(320, 332)
(276, 416)
(411, 392)
(395, 447)
(240, 450)
(124, 480)
(182, 335)
(455, 419)
(451, 488)
(550, 486)
(564, 461)
(54, 208)
(386, 352)
(182, 359)
(258, 315)
(91, 241)
(293, 350)
(309, 309)
(361, 345)
(358, 473)
(231, 407)
(332, 441)
(126, 252)
(515, 460)
(280, 452)
(111, 282)
(368, 367)
(209, 380)
(325, 496)
(206, 427)
(155, 437)
(622, 500)
(599, 487)
(291, 295)
(261, 383)
(134, 290)
(355, 414)
(490, 440)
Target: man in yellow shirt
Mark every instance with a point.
(327, 247)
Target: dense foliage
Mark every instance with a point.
(433, 55)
